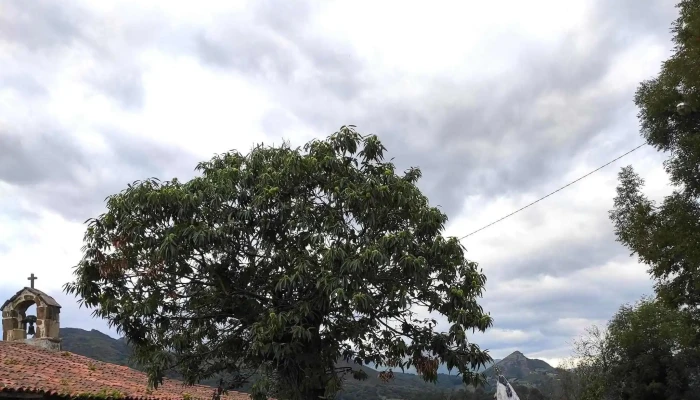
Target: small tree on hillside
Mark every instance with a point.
(586, 375)
(283, 261)
(666, 236)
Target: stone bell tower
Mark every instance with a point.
(44, 326)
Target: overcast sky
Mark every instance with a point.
(498, 102)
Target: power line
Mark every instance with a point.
(561, 188)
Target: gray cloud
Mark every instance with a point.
(139, 154)
(516, 305)
(41, 25)
(541, 314)
(275, 45)
(53, 171)
(492, 148)
(10, 212)
(561, 257)
(18, 211)
(123, 83)
(245, 50)
(23, 83)
(635, 20)
(44, 29)
(132, 158)
(37, 157)
(252, 47)
(275, 121)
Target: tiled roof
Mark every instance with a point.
(27, 368)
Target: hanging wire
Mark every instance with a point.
(561, 188)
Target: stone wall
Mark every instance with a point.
(46, 343)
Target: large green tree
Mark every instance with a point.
(281, 262)
(653, 354)
(666, 236)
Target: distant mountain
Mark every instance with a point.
(96, 345)
(516, 365)
(518, 368)
(405, 386)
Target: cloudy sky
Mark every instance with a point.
(498, 102)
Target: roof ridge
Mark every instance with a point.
(43, 296)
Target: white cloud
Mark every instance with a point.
(48, 247)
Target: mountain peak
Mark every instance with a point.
(515, 356)
(516, 365)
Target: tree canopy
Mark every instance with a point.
(279, 263)
(665, 236)
(648, 351)
(653, 353)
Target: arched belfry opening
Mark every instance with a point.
(41, 328)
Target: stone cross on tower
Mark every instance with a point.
(32, 278)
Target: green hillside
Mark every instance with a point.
(95, 344)
(405, 386)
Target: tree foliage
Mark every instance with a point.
(653, 353)
(585, 376)
(280, 262)
(665, 236)
(648, 351)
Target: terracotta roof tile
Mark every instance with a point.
(26, 368)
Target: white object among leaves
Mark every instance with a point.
(504, 391)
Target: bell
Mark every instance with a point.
(31, 330)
